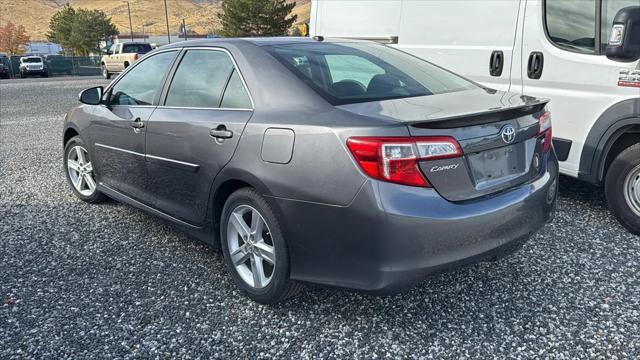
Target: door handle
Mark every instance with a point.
(535, 65)
(496, 63)
(137, 123)
(221, 132)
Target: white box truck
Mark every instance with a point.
(582, 54)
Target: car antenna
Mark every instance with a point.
(318, 38)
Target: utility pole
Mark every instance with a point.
(130, 25)
(144, 34)
(166, 18)
(184, 29)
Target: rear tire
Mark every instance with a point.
(278, 284)
(622, 188)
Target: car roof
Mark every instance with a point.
(259, 41)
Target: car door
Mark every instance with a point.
(563, 59)
(118, 126)
(195, 132)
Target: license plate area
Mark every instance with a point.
(492, 167)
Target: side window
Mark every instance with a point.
(571, 24)
(141, 84)
(235, 96)
(113, 48)
(200, 79)
(609, 10)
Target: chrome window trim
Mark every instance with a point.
(236, 68)
(200, 108)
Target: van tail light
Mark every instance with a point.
(395, 159)
(544, 130)
(136, 56)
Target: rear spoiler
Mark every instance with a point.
(487, 117)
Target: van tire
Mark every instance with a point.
(622, 173)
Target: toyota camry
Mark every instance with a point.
(329, 161)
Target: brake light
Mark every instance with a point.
(136, 56)
(544, 129)
(395, 159)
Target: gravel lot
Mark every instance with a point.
(106, 281)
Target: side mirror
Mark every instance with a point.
(624, 43)
(91, 96)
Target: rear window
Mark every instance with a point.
(345, 73)
(136, 48)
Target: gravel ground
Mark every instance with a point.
(107, 281)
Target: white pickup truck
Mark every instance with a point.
(121, 55)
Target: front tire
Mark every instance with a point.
(622, 188)
(79, 171)
(254, 248)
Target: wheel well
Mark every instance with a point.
(68, 134)
(629, 137)
(220, 198)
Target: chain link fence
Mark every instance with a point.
(59, 65)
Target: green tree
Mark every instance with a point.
(241, 18)
(80, 30)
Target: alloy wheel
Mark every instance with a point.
(81, 171)
(632, 190)
(250, 246)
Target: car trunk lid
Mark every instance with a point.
(498, 133)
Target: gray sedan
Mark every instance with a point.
(336, 162)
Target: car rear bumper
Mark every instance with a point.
(391, 236)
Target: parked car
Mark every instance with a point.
(334, 162)
(5, 71)
(32, 65)
(121, 56)
(580, 54)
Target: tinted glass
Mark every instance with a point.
(609, 10)
(140, 85)
(235, 96)
(136, 48)
(571, 24)
(32, 60)
(200, 79)
(346, 73)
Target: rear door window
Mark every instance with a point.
(200, 79)
(235, 96)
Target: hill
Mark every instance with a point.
(200, 15)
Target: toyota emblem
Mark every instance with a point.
(508, 134)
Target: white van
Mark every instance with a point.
(556, 49)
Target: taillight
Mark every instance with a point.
(544, 129)
(136, 56)
(395, 159)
